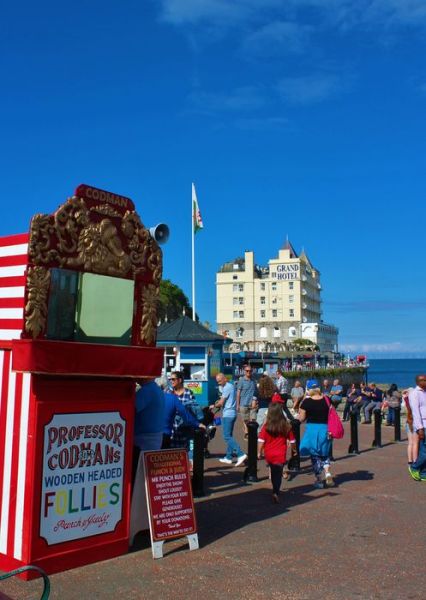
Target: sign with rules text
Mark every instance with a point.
(169, 495)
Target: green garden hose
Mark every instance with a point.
(46, 588)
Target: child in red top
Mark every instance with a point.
(273, 439)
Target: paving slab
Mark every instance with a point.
(363, 539)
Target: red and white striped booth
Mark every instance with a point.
(77, 328)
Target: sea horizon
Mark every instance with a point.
(401, 371)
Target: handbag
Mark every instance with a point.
(335, 427)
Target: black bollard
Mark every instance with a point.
(294, 462)
(397, 423)
(198, 463)
(250, 473)
(353, 446)
(377, 442)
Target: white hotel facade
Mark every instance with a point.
(264, 308)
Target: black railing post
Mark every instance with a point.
(353, 446)
(397, 423)
(198, 463)
(377, 442)
(250, 473)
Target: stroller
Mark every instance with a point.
(208, 421)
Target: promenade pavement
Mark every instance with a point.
(363, 539)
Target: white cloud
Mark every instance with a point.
(277, 37)
(308, 89)
(345, 13)
(225, 12)
(377, 13)
(368, 348)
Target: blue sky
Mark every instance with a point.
(301, 117)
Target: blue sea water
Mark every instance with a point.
(401, 371)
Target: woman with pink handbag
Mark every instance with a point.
(314, 409)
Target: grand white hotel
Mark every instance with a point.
(265, 308)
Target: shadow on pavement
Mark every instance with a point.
(221, 516)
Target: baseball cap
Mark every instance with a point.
(276, 398)
(311, 383)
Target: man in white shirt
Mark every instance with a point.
(282, 384)
(417, 399)
(227, 402)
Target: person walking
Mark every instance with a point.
(228, 404)
(282, 385)
(273, 440)
(417, 399)
(246, 398)
(316, 439)
(412, 437)
(265, 390)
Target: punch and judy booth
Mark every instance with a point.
(78, 323)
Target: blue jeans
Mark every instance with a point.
(231, 445)
(420, 463)
(390, 419)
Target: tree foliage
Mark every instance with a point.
(303, 344)
(171, 302)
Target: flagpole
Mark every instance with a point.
(193, 253)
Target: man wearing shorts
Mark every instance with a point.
(246, 398)
(417, 398)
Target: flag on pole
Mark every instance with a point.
(197, 221)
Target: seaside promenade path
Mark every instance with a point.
(363, 539)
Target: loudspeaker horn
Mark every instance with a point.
(160, 233)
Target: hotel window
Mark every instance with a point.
(263, 314)
(235, 287)
(239, 332)
(241, 300)
(274, 286)
(277, 332)
(291, 298)
(234, 276)
(262, 300)
(290, 285)
(241, 314)
(274, 300)
(263, 332)
(234, 300)
(235, 314)
(241, 287)
(291, 312)
(274, 312)
(262, 287)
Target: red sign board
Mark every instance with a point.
(170, 502)
(93, 195)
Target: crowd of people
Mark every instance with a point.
(277, 408)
